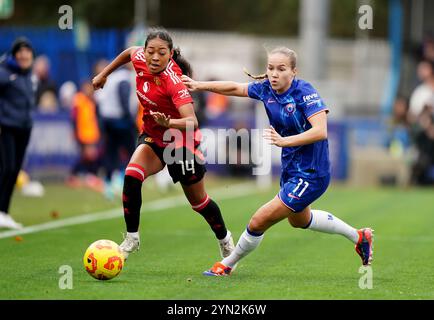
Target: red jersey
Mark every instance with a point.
(163, 92)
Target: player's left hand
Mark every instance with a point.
(161, 119)
(273, 137)
(189, 83)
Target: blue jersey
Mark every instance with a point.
(288, 114)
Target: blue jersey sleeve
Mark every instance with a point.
(311, 101)
(255, 90)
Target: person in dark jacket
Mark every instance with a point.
(17, 101)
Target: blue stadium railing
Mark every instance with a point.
(68, 63)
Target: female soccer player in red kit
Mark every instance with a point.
(167, 105)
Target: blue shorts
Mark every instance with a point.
(297, 193)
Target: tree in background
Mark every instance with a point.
(272, 17)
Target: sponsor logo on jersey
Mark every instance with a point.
(141, 74)
(149, 139)
(317, 101)
(183, 93)
(271, 100)
(310, 97)
(146, 87)
(141, 95)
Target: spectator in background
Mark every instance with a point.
(67, 92)
(424, 92)
(46, 88)
(87, 134)
(238, 154)
(17, 100)
(423, 136)
(100, 65)
(215, 104)
(117, 106)
(428, 48)
(398, 135)
(199, 102)
(200, 107)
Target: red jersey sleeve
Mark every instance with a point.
(138, 59)
(179, 94)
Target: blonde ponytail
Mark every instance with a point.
(258, 77)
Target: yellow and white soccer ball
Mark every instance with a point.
(103, 260)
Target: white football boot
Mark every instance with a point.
(129, 245)
(6, 221)
(226, 245)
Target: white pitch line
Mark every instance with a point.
(156, 205)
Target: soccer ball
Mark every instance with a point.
(103, 260)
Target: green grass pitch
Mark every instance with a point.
(177, 245)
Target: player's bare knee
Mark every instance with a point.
(256, 224)
(295, 224)
(291, 223)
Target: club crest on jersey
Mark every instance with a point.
(290, 107)
(146, 87)
(157, 81)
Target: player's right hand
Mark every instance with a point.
(189, 83)
(99, 81)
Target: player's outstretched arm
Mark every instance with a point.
(228, 88)
(124, 57)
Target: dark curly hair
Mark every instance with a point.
(162, 34)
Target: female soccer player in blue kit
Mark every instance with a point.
(298, 119)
